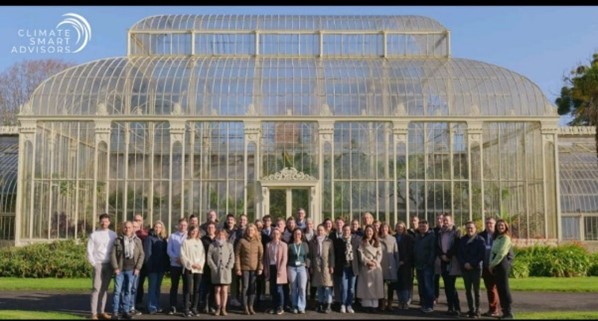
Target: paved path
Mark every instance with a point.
(78, 304)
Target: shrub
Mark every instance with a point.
(561, 261)
(520, 268)
(58, 259)
(593, 270)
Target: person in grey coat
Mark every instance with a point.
(221, 260)
(321, 251)
(390, 264)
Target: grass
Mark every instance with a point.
(577, 284)
(558, 315)
(36, 315)
(546, 284)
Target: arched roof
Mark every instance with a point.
(157, 85)
(287, 22)
(9, 145)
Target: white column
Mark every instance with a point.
(102, 135)
(325, 135)
(177, 135)
(400, 131)
(253, 132)
(474, 135)
(289, 206)
(26, 134)
(549, 131)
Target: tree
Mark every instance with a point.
(18, 82)
(579, 96)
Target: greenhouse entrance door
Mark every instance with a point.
(286, 191)
(286, 201)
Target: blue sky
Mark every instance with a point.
(541, 43)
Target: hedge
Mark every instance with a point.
(67, 259)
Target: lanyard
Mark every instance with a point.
(298, 248)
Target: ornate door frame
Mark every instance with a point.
(289, 178)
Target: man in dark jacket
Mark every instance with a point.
(425, 254)
(489, 282)
(470, 256)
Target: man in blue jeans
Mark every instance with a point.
(126, 259)
(425, 255)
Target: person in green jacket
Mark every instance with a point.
(501, 261)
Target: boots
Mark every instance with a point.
(389, 305)
(251, 302)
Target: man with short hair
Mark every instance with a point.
(99, 246)
(437, 271)
(448, 243)
(137, 290)
(126, 257)
(173, 248)
(489, 281)
(424, 251)
(212, 217)
(300, 220)
(414, 229)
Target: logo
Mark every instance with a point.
(71, 35)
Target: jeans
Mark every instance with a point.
(123, 282)
(471, 279)
(298, 279)
(153, 291)
(425, 285)
(276, 290)
(347, 286)
(324, 294)
(133, 295)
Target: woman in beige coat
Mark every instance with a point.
(248, 264)
(276, 255)
(221, 260)
(193, 258)
(322, 267)
(370, 283)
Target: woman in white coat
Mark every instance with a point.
(370, 284)
(193, 258)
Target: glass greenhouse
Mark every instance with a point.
(265, 114)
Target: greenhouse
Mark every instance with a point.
(265, 114)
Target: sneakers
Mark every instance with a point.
(135, 312)
(350, 309)
(301, 311)
(427, 310)
(343, 309)
(188, 314)
(295, 311)
(280, 311)
(172, 311)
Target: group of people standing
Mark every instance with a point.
(335, 266)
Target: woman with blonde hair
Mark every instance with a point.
(156, 263)
(193, 259)
(248, 264)
(221, 260)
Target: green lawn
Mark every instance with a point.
(565, 315)
(36, 315)
(579, 284)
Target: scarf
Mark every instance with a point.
(348, 250)
(129, 246)
(320, 240)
